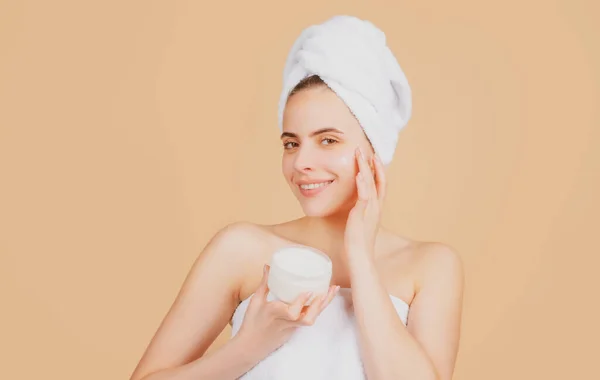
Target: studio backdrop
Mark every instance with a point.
(132, 131)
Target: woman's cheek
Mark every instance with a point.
(345, 168)
(287, 168)
(345, 160)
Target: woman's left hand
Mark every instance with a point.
(364, 218)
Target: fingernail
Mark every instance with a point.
(362, 155)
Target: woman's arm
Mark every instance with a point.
(427, 347)
(230, 361)
(200, 312)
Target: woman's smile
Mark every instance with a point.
(312, 189)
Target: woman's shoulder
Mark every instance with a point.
(432, 261)
(239, 234)
(411, 263)
(238, 228)
(271, 234)
(246, 246)
(418, 252)
(245, 240)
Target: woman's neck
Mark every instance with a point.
(326, 233)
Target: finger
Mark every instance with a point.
(380, 179)
(366, 174)
(362, 176)
(361, 187)
(318, 305)
(294, 310)
(263, 288)
(332, 293)
(363, 167)
(370, 180)
(311, 314)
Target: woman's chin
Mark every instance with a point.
(316, 213)
(321, 210)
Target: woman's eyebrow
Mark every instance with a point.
(314, 133)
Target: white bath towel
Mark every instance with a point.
(352, 57)
(327, 350)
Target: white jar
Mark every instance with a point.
(298, 269)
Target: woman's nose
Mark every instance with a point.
(304, 159)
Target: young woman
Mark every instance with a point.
(393, 310)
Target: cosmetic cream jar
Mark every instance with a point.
(295, 270)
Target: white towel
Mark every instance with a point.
(352, 58)
(327, 350)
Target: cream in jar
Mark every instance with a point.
(297, 269)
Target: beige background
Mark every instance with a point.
(131, 131)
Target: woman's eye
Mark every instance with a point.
(292, 144)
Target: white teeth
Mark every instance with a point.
(315, 185)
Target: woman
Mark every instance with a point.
(393, 310)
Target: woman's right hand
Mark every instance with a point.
(269, 324)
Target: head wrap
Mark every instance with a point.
(352, 58)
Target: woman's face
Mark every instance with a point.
(319, 138)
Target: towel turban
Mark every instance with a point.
(351, 56)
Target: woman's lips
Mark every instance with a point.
(314, 192)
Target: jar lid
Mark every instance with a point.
(302, 261)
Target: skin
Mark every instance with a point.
(426, 275)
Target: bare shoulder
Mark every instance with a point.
(436, 254)
(239, 240)
(409, 264)
(236, 234)
(244, 246)
(438, 262)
